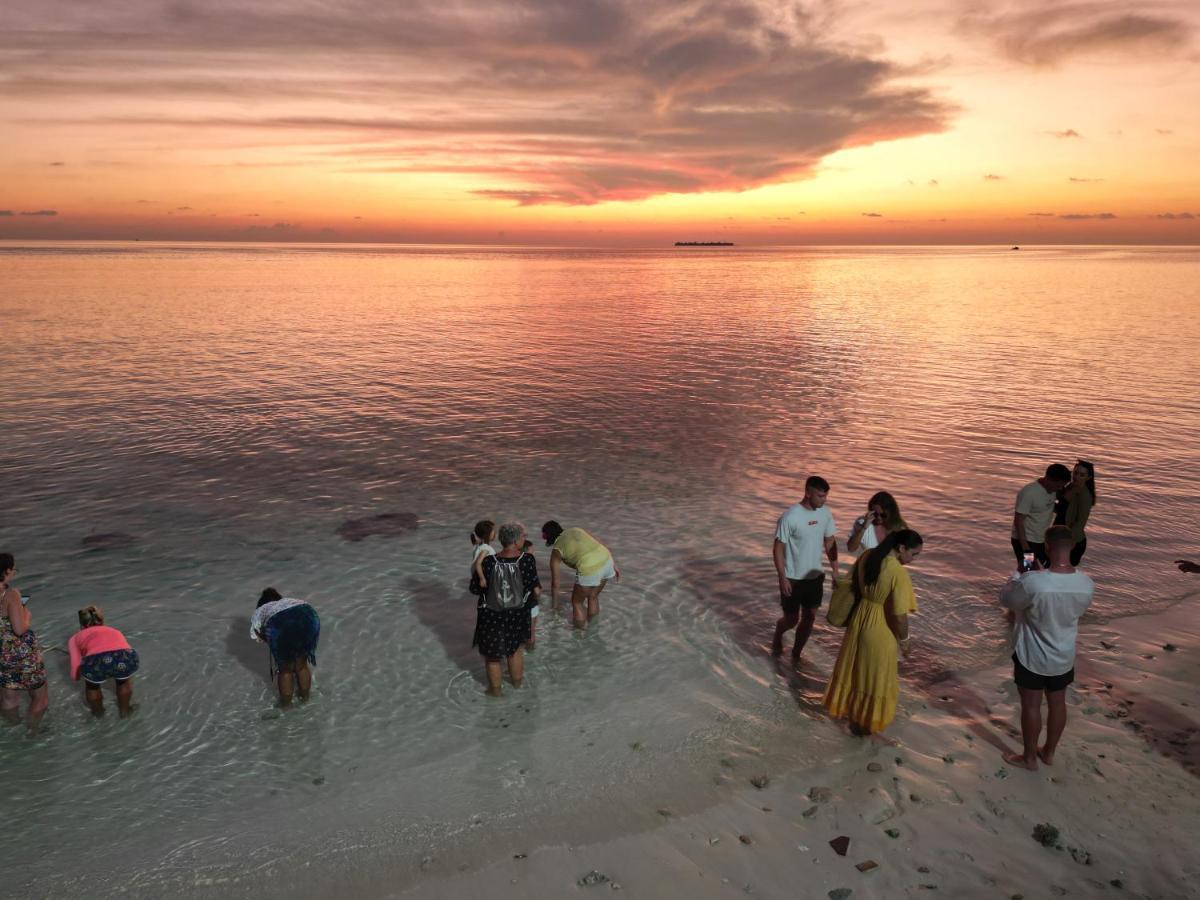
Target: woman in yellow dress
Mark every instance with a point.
(865, 684)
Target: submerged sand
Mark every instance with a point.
(939, 813)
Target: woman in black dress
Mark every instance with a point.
(504, 625)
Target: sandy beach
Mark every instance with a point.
(939, 813)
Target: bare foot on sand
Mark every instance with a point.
(1047, 758)
(1018, 760)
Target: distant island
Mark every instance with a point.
(704, 243)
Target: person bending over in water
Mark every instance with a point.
(593, 564)
(1047, 605)
(291, 628)
(100, 652)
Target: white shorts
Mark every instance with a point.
(606, 572)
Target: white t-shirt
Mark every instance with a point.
(1036, 504)
(803, 532)
(264, 612)
(869, 540)
(1047, 606)
(482, 550)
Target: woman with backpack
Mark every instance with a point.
(504, 625)
(865, 683)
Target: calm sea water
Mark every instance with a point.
(230, 406)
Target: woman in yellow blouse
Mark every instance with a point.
(865, 683)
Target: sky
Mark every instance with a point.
(601, 122)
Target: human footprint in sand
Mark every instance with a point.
(1047, 605)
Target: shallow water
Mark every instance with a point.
(229, 407)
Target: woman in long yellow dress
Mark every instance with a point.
(865, 684)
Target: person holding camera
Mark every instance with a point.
(882, 518)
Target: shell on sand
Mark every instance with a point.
(108, 540)
(385, 524)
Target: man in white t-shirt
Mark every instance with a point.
(1047, 605)
(1035, 513)
(803, 532)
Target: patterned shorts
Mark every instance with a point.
(99, 667)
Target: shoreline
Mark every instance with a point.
(940, 811)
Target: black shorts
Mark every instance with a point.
(1032, 681)
(806, 592)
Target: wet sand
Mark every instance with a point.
(939, 813)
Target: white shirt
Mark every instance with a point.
(1036, 504)
(1047, 606)
(482, 550)
(264, 612)
(803, 532)
(868, 540)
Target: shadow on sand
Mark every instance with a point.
(449, 613)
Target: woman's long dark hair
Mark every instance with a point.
(891, 509)
(1091, 480)
(873, 562)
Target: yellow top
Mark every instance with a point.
(581, 551)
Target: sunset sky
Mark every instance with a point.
(591, 122)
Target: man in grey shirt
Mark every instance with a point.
(1034, 513)
(1046, 605)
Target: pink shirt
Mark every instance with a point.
(91, 640)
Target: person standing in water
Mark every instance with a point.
(22, 669)
(593, 564)
(882, 518)
(1078, 499)
(800, 535)
(99, 652)
(1047, 605)
(504, 622)
(1035, 513)
(291, 629)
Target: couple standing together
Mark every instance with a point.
(865, 684)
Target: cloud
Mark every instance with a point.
(933, 182)
(992, 177)
(1077, 216)
(1182, 215)
(1068, 133)
(873, 215)
(542, 101)
(1048, 34)
(58, 164)
(41, 212)
(1084, 180)
(1043, 215)
(1163, 131)
(182, 208)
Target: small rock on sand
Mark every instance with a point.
(820, 794)
(892, 832)
(1170, 648)
(840, 845)
(867, 865)
(384, 524)
(745, 839)
(760, 781)
(874, 767)
(593, 877)
(840, 893)
(1045, 834)
(810, 812)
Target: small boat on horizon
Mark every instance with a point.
(704, 243)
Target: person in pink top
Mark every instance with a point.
(98, 653)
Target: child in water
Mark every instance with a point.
(534, 609)
(481, 540)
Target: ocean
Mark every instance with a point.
(225, 409)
